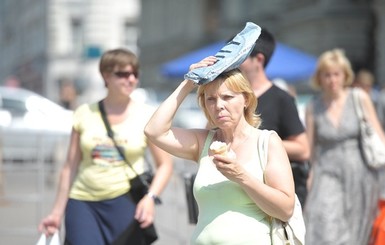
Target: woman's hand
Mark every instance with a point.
(145, 211)
(229, 167)
(50, 225)
(208, 61)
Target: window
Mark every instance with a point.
(17, 108)
(131, 35)
(77, 36)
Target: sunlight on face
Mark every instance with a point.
(123, 80)
(224, 106)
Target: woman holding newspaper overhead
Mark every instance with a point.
(234, 195)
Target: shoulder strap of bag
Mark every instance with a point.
(110, 134)
(263, 144)
(357, 104)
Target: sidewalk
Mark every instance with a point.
(28, 196)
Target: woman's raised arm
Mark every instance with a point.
(176, 141)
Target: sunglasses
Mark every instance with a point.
(125, 74)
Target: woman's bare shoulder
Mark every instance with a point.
(201, 133)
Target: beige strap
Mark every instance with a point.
(263, 147)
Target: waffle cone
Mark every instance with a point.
(218, 147)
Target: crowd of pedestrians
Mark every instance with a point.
(319, 160)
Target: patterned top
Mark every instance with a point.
(342, 202)
(102, 173)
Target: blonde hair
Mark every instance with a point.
(332, 58)
(236, 82)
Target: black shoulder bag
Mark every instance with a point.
(139, 187)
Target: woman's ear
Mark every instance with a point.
(247, 102)
(104, 76)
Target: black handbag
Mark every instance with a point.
(192, 206)
(138, 189)
(134, 234)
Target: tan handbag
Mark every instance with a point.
(293, 231)
(371, 146)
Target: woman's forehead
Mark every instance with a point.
(123, 67)
(332, 68)
(217, 88)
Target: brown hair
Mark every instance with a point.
(236, 82)
(118, 57)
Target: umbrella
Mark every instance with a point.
(287, 63)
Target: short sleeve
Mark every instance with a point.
(78, 116)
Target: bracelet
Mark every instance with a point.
(154, 197)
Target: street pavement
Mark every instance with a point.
(27, 192)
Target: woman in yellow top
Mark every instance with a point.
(234, 196)
(94, 181)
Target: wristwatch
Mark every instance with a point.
(154, 197)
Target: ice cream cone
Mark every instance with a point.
(218, 147)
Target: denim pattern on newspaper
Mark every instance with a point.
(231, 56)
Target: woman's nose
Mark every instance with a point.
(219, 104)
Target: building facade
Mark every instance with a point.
(313, 26)
(45, 43)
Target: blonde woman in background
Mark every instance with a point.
(343, 192)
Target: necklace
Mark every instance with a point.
(239, 144)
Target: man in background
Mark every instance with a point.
(278, 111)
(365, 79)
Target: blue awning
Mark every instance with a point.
(288, 63)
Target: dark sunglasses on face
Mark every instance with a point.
(125, 74)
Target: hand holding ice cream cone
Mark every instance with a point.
(220, 148)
